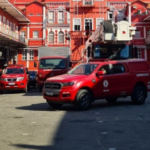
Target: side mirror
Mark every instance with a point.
(99, 73)
(1, 54)
(35, 64)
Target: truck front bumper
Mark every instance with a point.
(59, 96)
(12, 85)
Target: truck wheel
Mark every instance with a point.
(54, 105)
(111, 100)
(83, 100)
(139, 95)
(40, 88)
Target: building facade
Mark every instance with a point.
(49, 26)
(68, 23)
(10, 38)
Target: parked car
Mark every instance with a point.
(33, 78)
(99, 80)
(14, 77)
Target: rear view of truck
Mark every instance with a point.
(52, 62)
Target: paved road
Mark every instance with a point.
(28, 123)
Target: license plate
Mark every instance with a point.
(49, 93)
(11, 83)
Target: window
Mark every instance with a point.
(7, 24)
(60, 17)
(88, 2)
(38, 14)
(111, 15)
(120, 15)
(31, 53)
(51, 17)
(68, 17)
(22, 33)
(51, 37)
(4, 21)
(106, 69)
(35, 34)
(98, 21)
(14, 28)
(24, 55)
(76, 24)
(117, 69)
(61, 37)
(17, 29)
(11, 26)
(139, 53)
(137, 34)
(31, 14)
(88, 24)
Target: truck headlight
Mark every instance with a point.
(20, 78)
(68, 83)
(3, 79)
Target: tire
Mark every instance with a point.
(139, 95)
(54, 105)
(40, 88)
(111, 100)
(83, 100)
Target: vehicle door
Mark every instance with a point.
(120, 80)
(103, 86)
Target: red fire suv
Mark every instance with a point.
(99, 80)
(14, 77)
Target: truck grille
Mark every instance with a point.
(52, 86)
(13, 79)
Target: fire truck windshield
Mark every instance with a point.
(52, 63)
(112, 52)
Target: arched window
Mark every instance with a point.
(61, 37)
(51, 37)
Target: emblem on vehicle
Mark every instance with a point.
(105, 83)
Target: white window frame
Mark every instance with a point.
(60, 16)
(111, 12)
(51, 33)
(88, 19)
(74, 22)
(98, 22)
(31, 54)
(51, 18)
(68, 17)
(61, 36)
(24, 55)
(36, 34)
